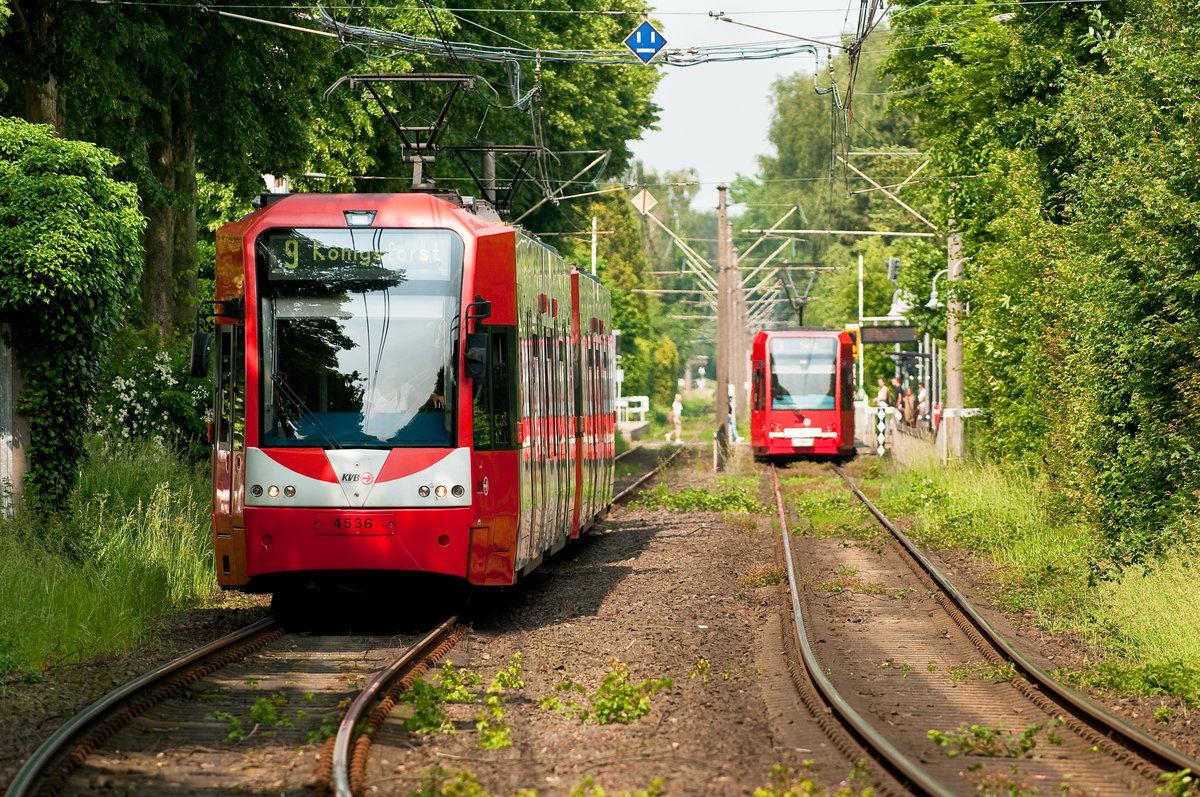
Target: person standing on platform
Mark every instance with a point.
(883, 395)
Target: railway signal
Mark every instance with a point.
(646, 41)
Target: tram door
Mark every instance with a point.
(229, 454)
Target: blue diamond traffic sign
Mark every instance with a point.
(646, 41)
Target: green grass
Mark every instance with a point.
(1043, 555)
(1150, 607)
(134, 543)
(832, 512)
(731, 495)
(1146, 619)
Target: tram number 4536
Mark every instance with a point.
(356, 523)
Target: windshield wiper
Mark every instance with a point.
(280, 382)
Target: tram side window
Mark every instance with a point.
(495, 393)
(230, 432)
(847, 366)
(760, 389)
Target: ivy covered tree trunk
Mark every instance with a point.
(42, 103)
(68, 254)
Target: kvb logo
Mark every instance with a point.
(361, 478)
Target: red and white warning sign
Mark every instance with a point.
(644, 202)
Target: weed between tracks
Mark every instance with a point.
(1014, 782)
(830, 512)
(987, 741)
(763, 576)
(438, 782)
(734, 495)
(615, 700)
(847, 580)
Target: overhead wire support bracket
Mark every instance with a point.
(410, 135)
(500, 195)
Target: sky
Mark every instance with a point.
(714, 117)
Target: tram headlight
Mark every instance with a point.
(440, 492)
(457, 491)
(256, 490)
(423, 491)
(289, 491)
(273, 491)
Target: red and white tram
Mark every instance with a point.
(402, 386)
(802, 394)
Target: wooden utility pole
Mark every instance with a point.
(739, 345)
(724, 326)
(953, 421)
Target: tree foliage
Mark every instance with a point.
(625, 271)
(803, 175)
(69, 252)
(185, 94)
(1067, 135)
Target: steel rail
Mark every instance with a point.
(1134, 739)
(621, 496)
(73, 731)
(626, 452)
(366, 698)
(905, 767)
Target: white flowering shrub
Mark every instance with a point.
(149, 395)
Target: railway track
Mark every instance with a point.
(202, 723)
(49, 768)
(939, 698)
(352, 745)
(234, 716)
(664, 457)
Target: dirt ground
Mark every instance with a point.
(651, 594)
(661, 595)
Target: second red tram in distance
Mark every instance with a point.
(404, 384)
(802, 394)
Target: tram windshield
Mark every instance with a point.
(358, 329)
(803, 373)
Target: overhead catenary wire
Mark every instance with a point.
(470, 51)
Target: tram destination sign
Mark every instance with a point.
(889, 334)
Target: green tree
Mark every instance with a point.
(69, 252)
(684, 304)
(143, 81)
(1065, 140)
(624, 269)
(665, 381)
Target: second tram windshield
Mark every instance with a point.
(803, 373)
(357, 333)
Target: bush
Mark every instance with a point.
(69, 258)
(147, 393)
